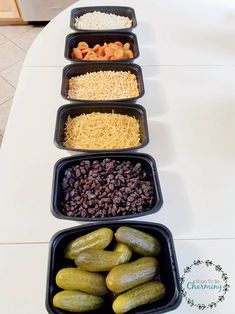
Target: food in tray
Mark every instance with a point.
(126, 276)
(94, 260)
(101, 131)
(103, 85)
(101, 21)
(98, 239)
(146, 293)
(134, 276)
(111, 51)
(77, 301)
(140, 242)
(106, 188)
(72, 278)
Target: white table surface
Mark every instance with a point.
(169, 32)
(187, 56)
(191, 126)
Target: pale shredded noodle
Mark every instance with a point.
(102, 131)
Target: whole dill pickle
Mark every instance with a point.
(77, 301)
(140, 242)
(98, 239)
(147, 293)
(129, 275)
(78, 279)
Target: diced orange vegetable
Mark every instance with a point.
(92, 57)
(77, 53)
(109, 51)
(127, 46)
(83, 45)
(113, 46)
(118, 53)
(101, 51)
(89, 53)
(106, 57)
(118, 43)
(129, 53)
(96, 47)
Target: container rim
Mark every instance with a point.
(148, 158)
(134, 21)
(116, 65)
(108, 105)
(164, 230)
(97, 33)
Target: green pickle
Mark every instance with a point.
(98, 239)
(79, 279)
(125, 251)
(140, 242)
(77, 301)
(129, 284)
(126, 276)
(147, 293)
(99, 260)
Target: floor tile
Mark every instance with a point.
(9, 55)
(4, 113)
(25, 40)
(11, 74)
(2, 39)
(12, 31)
(6, 91)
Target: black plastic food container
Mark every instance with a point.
(74, 110)
(148, 165)
(95, 38)
(169, 274)
(83, 68)
(118, 10)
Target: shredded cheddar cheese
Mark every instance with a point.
(101, 131)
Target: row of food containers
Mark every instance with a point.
(110, 183)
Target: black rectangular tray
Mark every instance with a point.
(148, 165)
(118, 10)
(83, 68)
(169, 274)
(74, 110)
(94, 38)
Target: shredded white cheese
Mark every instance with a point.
(98, 21)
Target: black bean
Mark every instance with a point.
(68, 172)
(66, 197)
(106, 188)
(130, 199)
(90, 196)
(119, 194)
(83, 213)
(84, 205)
(91, 211)
(83, 170)
(71, 194)
(71, 182)
(69, 213)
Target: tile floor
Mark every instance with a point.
(14, 44)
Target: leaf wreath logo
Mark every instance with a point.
(217, 268)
